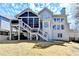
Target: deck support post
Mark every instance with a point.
(36, 37)
(10, 37)
(39, 23)
(0, 23)
(30, 37)
(19, 30)
(10, 33)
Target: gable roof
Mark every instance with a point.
(46, 10)
(25, 10)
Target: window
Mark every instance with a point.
(58, 27)
(31, 22)
(62, 19)
(36, 23)
(45, 24)
(54, 27)
(32, 14)
(62, 27)
(24, 14)
(45, 16)
(0, 33)
(4, 33)
(54, 19)
(59, 35)
(41, 25)
(25, 20)
(7, 33)
(58, 19)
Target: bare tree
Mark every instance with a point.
(75, 10)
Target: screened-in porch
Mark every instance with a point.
(31, 19)
(33, 22)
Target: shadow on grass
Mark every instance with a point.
(43, 45)
(38, 44)
(18, 41)
(9, 42)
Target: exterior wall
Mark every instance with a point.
(4, 26)
(48, 22)
(64, 31)
(4, 23)
(3, 37)
(46, 18)
(4, 34)
(64, 35)
(47, 26)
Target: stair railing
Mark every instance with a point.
(42, 33)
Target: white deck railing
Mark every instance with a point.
(39, 32)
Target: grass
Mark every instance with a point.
(38, 48)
